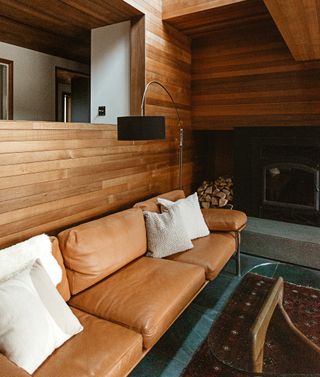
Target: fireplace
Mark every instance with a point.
(277, 173)
(290, 185)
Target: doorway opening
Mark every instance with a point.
(6, 89)
(72, 96)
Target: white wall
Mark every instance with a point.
(110, 72)
(34, 81)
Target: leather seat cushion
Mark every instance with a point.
(9, 369)
(145, 296)
(102, 349)
(211, 252)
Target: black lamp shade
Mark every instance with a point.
(141, 128)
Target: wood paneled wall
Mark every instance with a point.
(53, 175)
(246, 76)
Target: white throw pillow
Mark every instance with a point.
(166, 233)
(30, 331)
(53, 301)
(191, 214)
(16, 257)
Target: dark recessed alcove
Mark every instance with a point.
(276, 173)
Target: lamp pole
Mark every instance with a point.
(181, 158)
(179, 124)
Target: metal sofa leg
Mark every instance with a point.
(238, 255)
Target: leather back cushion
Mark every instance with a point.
(152, 204)
(63, 287)
(96, 249)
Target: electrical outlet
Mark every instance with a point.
(101, 111)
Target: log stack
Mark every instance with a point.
(217, 194)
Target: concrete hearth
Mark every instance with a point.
(291, 243)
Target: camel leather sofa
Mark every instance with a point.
(125, 300)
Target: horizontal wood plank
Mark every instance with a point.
(42, 188)
(248, 77)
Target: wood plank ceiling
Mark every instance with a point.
(205, 17)
(297, 20)
(62, 27)
(177, 8)
(59, 27)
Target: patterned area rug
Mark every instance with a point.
(228, 337)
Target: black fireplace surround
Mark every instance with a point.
(277, 173)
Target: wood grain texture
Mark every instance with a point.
(247, 77)
(53, 175)
(299, 24)
(59, 27)
(137, 64)
(198, 18)
(178, 8)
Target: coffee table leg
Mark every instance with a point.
(238, 255)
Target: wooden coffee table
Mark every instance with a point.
(269, 327)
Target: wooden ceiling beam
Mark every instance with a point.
(104, 11)
(28, 14)
(210, 16)
(299, 24)
(26, 36)
(60, 10)
(179, 8)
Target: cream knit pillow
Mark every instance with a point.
(20, 255)
(34, 319)
(191, 215)
(166, 233)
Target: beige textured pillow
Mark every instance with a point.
(166, 233)
(191, 215)
(31, 329)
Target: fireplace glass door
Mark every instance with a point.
(291, 185)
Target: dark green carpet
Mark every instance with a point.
(175, 349)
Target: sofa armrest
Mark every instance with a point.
(9, 369)
(224, 219)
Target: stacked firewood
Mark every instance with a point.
(217, 194)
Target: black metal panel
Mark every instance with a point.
(258, 147)
(290, 185)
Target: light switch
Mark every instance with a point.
(101, 111)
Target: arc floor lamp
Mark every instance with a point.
(142, 127)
